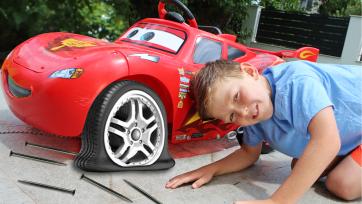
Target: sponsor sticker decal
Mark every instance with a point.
(73, 43)
(181, 137)
(181, 71)
(185, 77)
(184, 80)
(180, 104)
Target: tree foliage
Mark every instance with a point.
(22, 19)
(228, 15)
(341, 8)
(26, 18)
(284, 5)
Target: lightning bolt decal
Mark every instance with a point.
(151, 58)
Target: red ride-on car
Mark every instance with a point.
(128, 98)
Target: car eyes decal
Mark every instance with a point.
(148, 36)
(133, 33)
(159, 38)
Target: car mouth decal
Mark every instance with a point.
(58, 44)
(151, 58)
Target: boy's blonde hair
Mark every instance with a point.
(204, 80)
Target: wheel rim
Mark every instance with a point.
(135, 131)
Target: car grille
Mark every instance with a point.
(17, 90)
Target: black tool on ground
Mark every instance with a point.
(48, 186)
(105, 188)
(40, 159)
(142, 191)
(50, 148)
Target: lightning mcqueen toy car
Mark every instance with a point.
(126, 99)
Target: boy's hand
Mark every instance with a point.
(201, 176)
(236, 161)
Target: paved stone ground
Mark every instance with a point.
(257, 182)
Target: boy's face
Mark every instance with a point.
(242, 100)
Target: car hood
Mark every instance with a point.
(53, 50)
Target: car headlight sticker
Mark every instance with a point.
(71, 73)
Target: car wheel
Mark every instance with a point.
(231, 135)
(126, 128)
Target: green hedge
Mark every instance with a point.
(339, 8)
(22, 19)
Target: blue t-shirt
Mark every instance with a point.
(301, 89)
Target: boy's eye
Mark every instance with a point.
(231, 117)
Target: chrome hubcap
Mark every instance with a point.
(134, 133)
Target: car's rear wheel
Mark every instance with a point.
(126, 127)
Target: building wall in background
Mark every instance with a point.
(352, 49)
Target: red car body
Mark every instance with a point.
(67, 103)
(60, 105)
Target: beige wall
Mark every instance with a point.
(353, 43)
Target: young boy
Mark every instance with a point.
(308, 111)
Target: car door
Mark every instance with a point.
(192, 127)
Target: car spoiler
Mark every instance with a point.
(304, 53)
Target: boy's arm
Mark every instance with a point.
(238, 160)
(320, 151)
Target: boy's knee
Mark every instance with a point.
(341, 186)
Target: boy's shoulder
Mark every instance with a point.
(295, 67)
(290, 71)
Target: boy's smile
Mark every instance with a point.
(243, 100)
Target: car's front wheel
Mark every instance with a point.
(125, 129)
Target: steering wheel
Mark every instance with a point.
(162, 11)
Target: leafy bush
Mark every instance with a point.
(283, 5)
(228, 15)
(26, 18)
(22, 19)
(341, 8)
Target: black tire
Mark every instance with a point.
(126, 129)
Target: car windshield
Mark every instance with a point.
(156, 36)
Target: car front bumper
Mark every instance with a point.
(55, 106)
